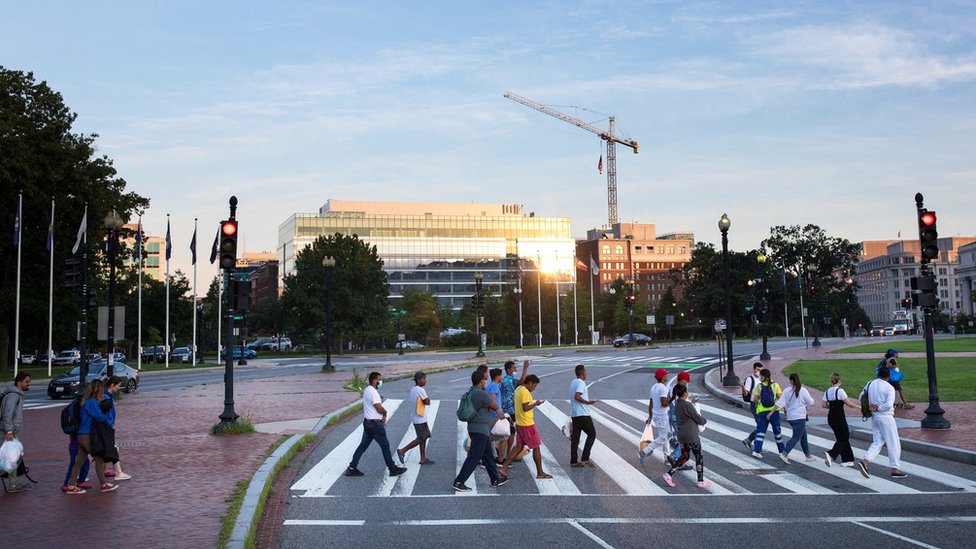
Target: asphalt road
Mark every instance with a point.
(620, 503)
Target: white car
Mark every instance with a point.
(409, 344)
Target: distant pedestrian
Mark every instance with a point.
(657, 415)
(12, 417)
(374, 428)
(688, 421)
(884, 430)
(748, 386)
(479, 448)
(896, 376)
(795, 401)
(494, 390)
(765, 396)
(509, 384)
(836, 398)
(91, 413)
(418, 417)
(528, 435)
(113, 386)
(681, 380)
(579, 411)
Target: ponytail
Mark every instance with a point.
(795, 382)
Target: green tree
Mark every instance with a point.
(44, 160)
(704, 290)
(421, 323)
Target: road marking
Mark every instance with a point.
(644, 520)
(462, 454)
(597, 539)
(404, 483)
(294, 522)
(560, 483)
(894, 535)
(327, 471)
(609, 376)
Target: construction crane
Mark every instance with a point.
(606, 135)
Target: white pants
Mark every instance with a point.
(884, 432)
(660, 435)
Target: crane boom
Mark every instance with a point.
(606, 135)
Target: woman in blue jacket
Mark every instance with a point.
(90, 412)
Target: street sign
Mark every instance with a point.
(669, 320)
(650, 319)
(401, 337)
(720, 325)
(119, 327)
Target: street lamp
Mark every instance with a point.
(730, 379)
(630, 312)
(479, 319)
(112, 223)
(764, 307)
(812, 269)
(849, 282)
(518, 292)
(328, 266)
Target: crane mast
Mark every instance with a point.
(606, 135)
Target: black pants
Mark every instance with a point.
(842, 448)
(686, 451)
(581, 424)
(479, 451)
(373, 430)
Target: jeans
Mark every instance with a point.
(73, 453)
(581, 424)
(761, 425)
(799, 435)
(373, 430)
(752, 408)
(478, 451)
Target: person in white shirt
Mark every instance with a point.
(657, 411)
(374, 428)
(795, 401)
(579, 411)
(884, 431)
(748, 385)
(420, 400)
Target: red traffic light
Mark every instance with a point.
(927, 219)
(229, 228)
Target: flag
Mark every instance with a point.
(213, 250)
(580, 265)
(193, 247)
(169, 242)
(81, 231)
(594, 267)
(599, 166)
(17, 223)
(50, 230)
(137, 253)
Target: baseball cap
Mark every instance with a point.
(419, 375)
(892, 352)
(660, 373)
(684, 375)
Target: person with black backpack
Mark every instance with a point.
(12, 417)
(748, 385)
(767, 412)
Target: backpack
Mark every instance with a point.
(71, 416)
(466, 410)
(882, 364)
(865, 402)
(747, 393)
(767, 397)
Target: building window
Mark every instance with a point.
(606, 249)
(618, 249)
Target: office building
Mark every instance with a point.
(154, 250)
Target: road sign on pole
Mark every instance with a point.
(650, 319)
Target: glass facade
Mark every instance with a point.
(441, 252)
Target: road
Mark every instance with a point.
(620, 503)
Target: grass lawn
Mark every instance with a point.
(956, 376)
(942, 345)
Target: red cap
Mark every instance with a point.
(685, 376)
(660, 374)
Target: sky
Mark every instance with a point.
(776, 113)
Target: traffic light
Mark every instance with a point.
(242, 295)
(906, 303)
(72, 272)
(228, 244)
(629, 301)
(813, 289)
(928, 235)
(924, 292)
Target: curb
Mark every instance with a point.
(948, 453)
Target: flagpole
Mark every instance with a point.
(166, 255)
(592, 310)
(20, 242)
(559, 328)
(220, 298)
(575, 310)
(194, 291)
(139, 300)
(50, 291)
(538, 272)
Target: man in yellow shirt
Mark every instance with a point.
(765, 396)
(528, 435)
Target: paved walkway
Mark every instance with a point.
(182, 476)
(962, 415)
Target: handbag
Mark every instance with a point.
(501, 428)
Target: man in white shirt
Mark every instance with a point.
(374, 428)
(749, 385)
(884, 431)
(418, 416)
(657, 412)
(579, 411)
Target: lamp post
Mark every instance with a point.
(478, 319)
(764, 307)
(630, 312)
(328, 266)
(518, 292)
(812, 269)
(849, 284)
(730, 379)
(112, 223)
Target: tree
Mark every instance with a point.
(421, 323)
(705, 285)
(357, 293)
(44, 160)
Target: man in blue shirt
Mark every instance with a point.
(579, 410)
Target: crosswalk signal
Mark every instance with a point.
(228, 244)
(928, 235)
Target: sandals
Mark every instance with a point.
(544, 475)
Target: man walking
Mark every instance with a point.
(884, 431)
(508, 386)
(748, 386)
(374, 428)
(579, 411)
(657, 412)
(479, 432)
(12, 416)
(528, 435)
(420, 400)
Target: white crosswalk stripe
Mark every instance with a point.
(403, 484)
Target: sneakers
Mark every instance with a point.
(640, 457)
(108, 487)
(85, 485)
(123, 476)
(811, 458)
(757, 455)
(397, 471)
(497, 483)
(784, 457)
(704, 484)
(863, 469)
(353, 472)
(668, 480)
(747, 443)
(898, 474)
(847, 464)
(462, 487)
(400, 455)
(827, 459)
(110, 474)
(72, 490)
(14, 488)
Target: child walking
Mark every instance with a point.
(418, 395)
(688, 421)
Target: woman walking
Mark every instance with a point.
(795, 401)
(688, 420)
(90, 413)
(835, 399)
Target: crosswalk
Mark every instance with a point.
(619, 423)
(630, 358)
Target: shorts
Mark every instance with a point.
(529, 436)
(422, 430)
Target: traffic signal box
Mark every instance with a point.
(629, 301)
(928, 235)
(228, 244)
(923, 291)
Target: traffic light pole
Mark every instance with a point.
(928, 236)
(229, 417)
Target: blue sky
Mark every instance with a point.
(833, 113)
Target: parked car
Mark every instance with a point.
(154, 353)
(67, 358)
(860, 332)
(639, 339)
(181, 355)
(67, 384)
(118, 356)
(889, 330)
(259, 343)
(877, 331)
(305, 348)
(282, 344)
(248, 353)
(27, 358)
(409, 344)
(270, 344)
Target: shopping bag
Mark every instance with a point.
(647, 436)
(501, 428)
(567, 428)
(698, 409)
(10, 454)
(420, 407)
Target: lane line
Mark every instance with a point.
(645, 520)
(611, 375)
(404, 483)
(894, 535)
(597, 539)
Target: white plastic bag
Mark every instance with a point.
(701, 428)
(501, 429)
(567, 428)
(10, 454)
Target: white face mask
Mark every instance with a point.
(380, 384)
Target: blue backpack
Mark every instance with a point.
(767, 397)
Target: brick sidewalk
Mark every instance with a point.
(962, 415)
(182, 475)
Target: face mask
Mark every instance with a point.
(380, 384)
